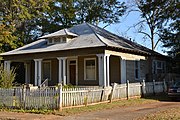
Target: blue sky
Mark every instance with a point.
(128, 21)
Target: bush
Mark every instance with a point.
(7, 78)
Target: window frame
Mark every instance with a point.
(85, 73)
(162, 67)
(138, 68)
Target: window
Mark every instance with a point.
(90, 69)
(50, 41)
(56, 40)
(63, 39)
(137, 69)
(158, 66)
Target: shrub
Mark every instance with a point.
(7, 78)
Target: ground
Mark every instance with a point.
(135, 112)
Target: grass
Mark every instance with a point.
(89, 108)
(115, 104)
(170, 114)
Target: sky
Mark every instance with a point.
(127, 22)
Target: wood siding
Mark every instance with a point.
(81, 80)
(115, 69)
(130, 74)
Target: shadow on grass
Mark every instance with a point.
(161, 97)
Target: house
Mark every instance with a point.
(85, 55)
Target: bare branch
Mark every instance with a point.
(145, 33)
(156, 43)
(133, 26)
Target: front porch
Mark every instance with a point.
(92, 69)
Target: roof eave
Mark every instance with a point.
(130, 50)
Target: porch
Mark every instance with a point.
(96, 69)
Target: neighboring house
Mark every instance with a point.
(86, 55)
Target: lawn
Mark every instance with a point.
(89, 108)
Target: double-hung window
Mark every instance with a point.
(90, 69)
(158, 66)
(137, 69)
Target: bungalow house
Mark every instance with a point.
(85, 55)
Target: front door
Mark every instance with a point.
(72, 72)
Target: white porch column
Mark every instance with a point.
(38, 67)
(107, 70)
(103, 62)
(7, 65)
(123, 70)
(62, 70)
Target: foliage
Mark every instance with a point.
(170, 35)
(64, 14)
(7, 77)
(69, 86)
(15, 16)
(154, 17)
(23, 21)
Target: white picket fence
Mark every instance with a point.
(58, 97)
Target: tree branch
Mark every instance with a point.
(144, 34)
(156, 43)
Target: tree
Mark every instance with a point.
(64, 14)
(96, 11)
(152, 13)
(6, 78)
(14, 18)
(22, 21)
(170, 35)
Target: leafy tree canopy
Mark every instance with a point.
(67, 13)
(22, 21)
(14, 16)
(170, 35)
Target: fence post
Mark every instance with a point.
(60, 97)
(143, 88)
(112, 92)
(165, 86)
(127, 89)
(23, 96)
(102, 94)
(154, 85)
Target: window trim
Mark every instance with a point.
(86, 59)
(139, 73)
(159, 68)
(46, 61)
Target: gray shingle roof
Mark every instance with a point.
(85, 36)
